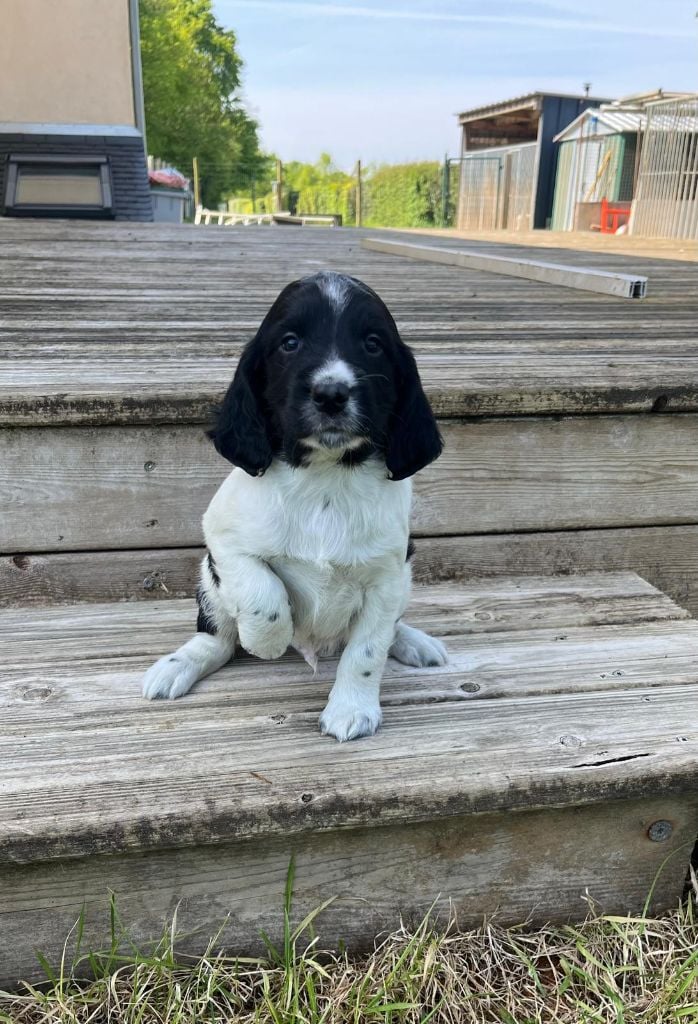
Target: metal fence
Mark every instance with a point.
(497, 189)
(666, 196)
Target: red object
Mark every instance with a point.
(168, 177)
(610, 216)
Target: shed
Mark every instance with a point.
(71, 109)
(507, 160)
(640, 153)
(596, 161)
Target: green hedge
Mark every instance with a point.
(393, 195)
(403, 196)
(330, 198)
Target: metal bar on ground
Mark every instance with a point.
(628, 286)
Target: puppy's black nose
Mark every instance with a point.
(330, 396)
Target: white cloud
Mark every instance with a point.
(588, 25)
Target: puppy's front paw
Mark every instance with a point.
(170, 677)
(349, 720)
(413, 647)
(266, 633)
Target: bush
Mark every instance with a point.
(403, 196)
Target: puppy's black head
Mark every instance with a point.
(327, 370)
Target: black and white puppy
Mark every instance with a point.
(308, 538)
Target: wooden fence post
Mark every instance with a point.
(197, 190)
(445, 191)
(279, 186)
(359, 196)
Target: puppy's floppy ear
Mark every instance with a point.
(414, 439)
(240, 434)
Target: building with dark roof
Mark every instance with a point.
(508, 157)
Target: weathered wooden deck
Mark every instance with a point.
(554, 753)
(139, 316)
(140, 325)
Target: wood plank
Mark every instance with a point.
(495, 665)
(58, 634)
(479, 606)
(479, 866)
(145, 386)
(78, 489)
(667, 556)
(625, 286)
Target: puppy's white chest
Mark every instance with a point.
(340, 517)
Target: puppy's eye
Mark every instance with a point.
(290, 343)
(372, 344)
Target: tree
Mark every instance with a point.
(191, 78)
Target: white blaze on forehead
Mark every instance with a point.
(335, 371)
(336, 288)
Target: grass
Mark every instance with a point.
(608, 970)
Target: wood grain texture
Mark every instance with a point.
(143, 387)
(75, 489)
(532, 711)
(483, 606)
(667, 556)
(533, 865)
(126, 324)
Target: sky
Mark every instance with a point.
(381, 81)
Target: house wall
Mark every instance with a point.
(67, 62)
(127, 168)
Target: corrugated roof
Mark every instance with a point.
(617, 120)
(528, 99)
(614, 120)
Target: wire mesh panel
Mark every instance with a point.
(666, 200)
(520, 165)
(497, 189)
(479, 193)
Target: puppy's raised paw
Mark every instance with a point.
(347, 720)
(266, 633)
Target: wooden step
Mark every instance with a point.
(555, 753)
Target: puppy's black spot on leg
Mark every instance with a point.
(365, 674)
(212, 569)
(204, 624)
(273, 617)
